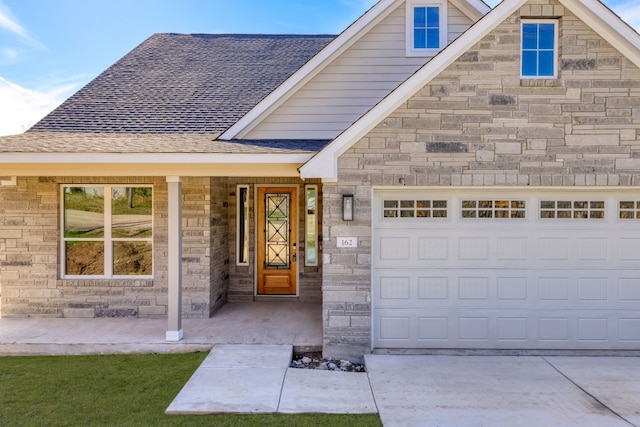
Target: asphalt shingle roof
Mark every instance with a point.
(84, 142)
(184, 83)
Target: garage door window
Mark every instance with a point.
(629, 210)
(415, 208)
(572, 209)
(493, 208)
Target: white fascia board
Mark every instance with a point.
(153, 158)
(474, 9)
(608, 25)
(335, 48)
(324, 164)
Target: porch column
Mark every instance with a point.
(174, 264)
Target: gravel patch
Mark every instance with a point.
(315, 361)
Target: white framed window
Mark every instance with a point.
(493, 209)
(572, 209)
(414, 208)
(242, 231)
(107, 231)
(426, 27)
(311, 225)
(539, 48)
(629, 209)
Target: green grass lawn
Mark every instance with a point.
(120, 390)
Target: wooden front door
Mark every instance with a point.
(277, 237)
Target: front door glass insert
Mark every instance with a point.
(277, 230)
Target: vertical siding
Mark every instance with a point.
(351, 84)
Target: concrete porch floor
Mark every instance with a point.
(273, 322)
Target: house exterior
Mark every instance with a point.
(438, 176)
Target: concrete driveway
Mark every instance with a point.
(505, 390)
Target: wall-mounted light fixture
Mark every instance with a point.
(347, 207)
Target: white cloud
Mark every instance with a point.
(8, 23)
(21, 108)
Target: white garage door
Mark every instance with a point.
(506, 269)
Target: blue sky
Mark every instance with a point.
(51, 48)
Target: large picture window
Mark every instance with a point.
(107, 231)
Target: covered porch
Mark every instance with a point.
(274, 322)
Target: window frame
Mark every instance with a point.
(108, 239)
(418, 210)
(555, 24)
(307, 232)
(593, 213)
(495, 211)
(411, 5)
(242, 239)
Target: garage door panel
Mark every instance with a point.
(502, 252)
(558, 289)
(507, 329)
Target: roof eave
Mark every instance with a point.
(152, 164)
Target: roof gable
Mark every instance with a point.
(184, 83)
(473, 9)
(601, 19)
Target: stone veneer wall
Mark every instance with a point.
(29, 254)
(243, 277)
(479, 124)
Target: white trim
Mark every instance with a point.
(608, 25)
(556, 53)
(107, 239)
(504, 188)
(316, 64)
(306, 224)
(174, 336)
(157, 158)
(443, 16)
(247, 234)
(474, 9)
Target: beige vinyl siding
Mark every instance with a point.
(352, 84)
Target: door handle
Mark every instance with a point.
(294, 257)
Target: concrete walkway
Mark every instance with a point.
(422, 390)
(251, 346)
(257, 379)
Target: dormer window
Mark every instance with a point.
(539, 48)
(426, 27)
